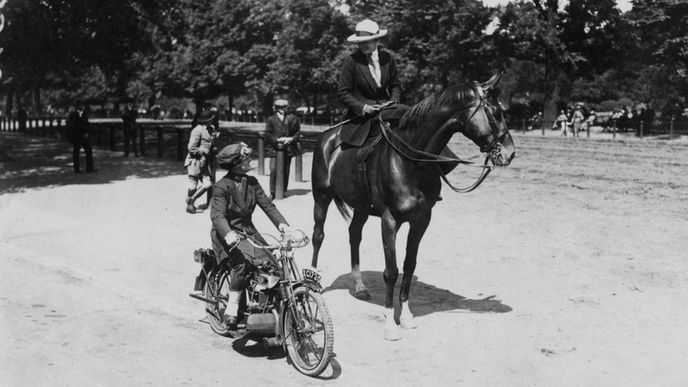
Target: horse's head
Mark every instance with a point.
(485, 125)
(469, 109)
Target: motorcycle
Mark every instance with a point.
(280, 304)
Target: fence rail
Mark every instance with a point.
(169, 138)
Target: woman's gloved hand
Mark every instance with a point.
(232, 239)
(285, 228)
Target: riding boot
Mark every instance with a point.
(232, 308)
(190, 208)
(209, 197)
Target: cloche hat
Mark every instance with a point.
(365, 31)
(233, 154)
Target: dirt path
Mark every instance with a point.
(581, 242)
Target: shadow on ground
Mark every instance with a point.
(425, 299)
(36, 162)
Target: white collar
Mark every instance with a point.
(375, 56)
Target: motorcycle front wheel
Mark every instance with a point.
(308, 332)
(217, 288)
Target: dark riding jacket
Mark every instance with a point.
(357, 88)
(234, 199)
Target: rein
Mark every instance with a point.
(387, 133)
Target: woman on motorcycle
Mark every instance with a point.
(234, 198)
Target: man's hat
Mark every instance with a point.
(365, 31)
(233, 154)
(280, 102)
(205, 117)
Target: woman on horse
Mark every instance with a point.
(367, 80)
(234, 198)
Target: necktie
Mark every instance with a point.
(374, 69)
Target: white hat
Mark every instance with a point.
(365, 31)
(281, 102)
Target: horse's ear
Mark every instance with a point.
(492, 81)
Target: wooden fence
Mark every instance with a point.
(160, 139)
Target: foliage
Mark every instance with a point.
(249, 52)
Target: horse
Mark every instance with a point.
(400, 188)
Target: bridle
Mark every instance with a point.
(418, 155)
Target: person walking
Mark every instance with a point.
(283, 131)
(562, 122)
(129, 116)
(197, 167)
(78, 129)
(577, 119)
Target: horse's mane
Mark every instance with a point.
(461, 95)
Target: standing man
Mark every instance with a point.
(78, 129)
(129, 116)
(283, 130)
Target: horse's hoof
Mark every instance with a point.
(392, 334)
(363, 294)
(408, 323)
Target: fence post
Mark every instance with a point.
(298, 168)
(279, 169)
(261, 154)
(523, 125)
(587, 128)
(180, 145)
(671, 129)
(159, 136)
(142, 139)
(640, 132)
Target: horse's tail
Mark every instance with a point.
(343, 208)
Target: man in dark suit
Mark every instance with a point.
(282, 130)
(129, 116)
(78, 129)
(368, 79)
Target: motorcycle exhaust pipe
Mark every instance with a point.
(199, 297)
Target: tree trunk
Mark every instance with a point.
(9, 102)
(268, 101)
(230, 106)
(37, 106)
(551, 63)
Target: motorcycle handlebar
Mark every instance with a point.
(297, 239)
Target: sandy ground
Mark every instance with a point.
(581, 242)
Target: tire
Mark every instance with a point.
(309, 337)
(216, 288)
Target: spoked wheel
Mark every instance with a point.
(217, 288)
(309, 335)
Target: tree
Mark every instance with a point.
(661, 31)
(309, 50)
(48, 43)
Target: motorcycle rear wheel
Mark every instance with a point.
(309, 335)
(217, 288)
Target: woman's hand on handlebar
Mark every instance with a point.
(233, 238)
